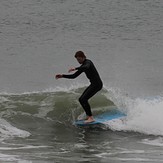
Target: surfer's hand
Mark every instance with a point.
(71, 69)
(58, 76)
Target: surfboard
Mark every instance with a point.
(101, 119)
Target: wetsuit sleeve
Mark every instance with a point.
(72, 76)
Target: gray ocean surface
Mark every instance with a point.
(38, 39)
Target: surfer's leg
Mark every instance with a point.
(87, 94)
(84, 102)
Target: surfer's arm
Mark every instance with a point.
(72, 76)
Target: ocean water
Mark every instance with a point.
(38, 39)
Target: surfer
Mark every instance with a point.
(96, 84)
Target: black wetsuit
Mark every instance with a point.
(95, 80)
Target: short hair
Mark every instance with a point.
(80, 54)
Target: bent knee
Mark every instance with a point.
(82, 100)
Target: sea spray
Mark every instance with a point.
(144, 115)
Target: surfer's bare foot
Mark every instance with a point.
(89, 120)
(82, 119)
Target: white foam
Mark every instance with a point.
(5, 157)
(62, 88)
(146, 116)
(143, 115)
(3, 99)
(154, 142)
(23, 147)
(7, 130)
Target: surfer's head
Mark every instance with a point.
(80, 56)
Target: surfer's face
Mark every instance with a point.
(80, 59)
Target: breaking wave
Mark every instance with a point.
(18, 112)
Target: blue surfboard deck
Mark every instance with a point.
(101, 119)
